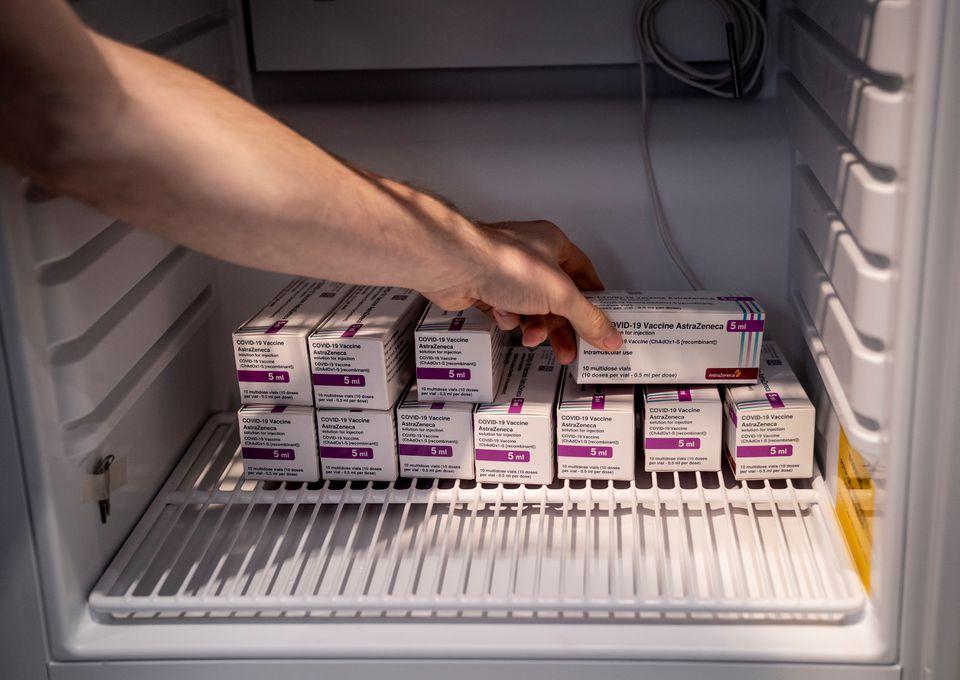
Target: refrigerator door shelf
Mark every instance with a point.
(213, 542)
(863, 370)
(59, 226)
(869, 201)
(869, 110)
(881, 33)
(864, 284)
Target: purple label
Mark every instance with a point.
(436, 406)
(598, 402)
(338, 380)
(457, 323)
(277, 325)
(771, 451)
(351, 330)
(775, 400)
(278, 409)
(426, 450)
(733, 414)
(443, 373)
(263, 376)
(683, 394)
(745, 325)
(252, 453)
(671, 443)
(503, 456)
(584, 451)
(736, 298)
(516, 405)
(354, 452)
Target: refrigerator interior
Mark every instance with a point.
(807, 195)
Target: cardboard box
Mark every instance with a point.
(692, 337)
(279, 443)
(434, 439)
(362, 354)
(769, 427)
(596, 431)
(270, 348)
(514, 433)
(357, 444)
(460, 355)
(682, 428)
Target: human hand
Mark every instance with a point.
(529, 274)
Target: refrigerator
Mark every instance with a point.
(134, 547)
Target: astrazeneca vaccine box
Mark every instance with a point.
(459, 355)
(769, 427)
(514, 433)
(279, 443)
(434, 438)
(596, 431)
(357, 444)
(692, 337)
(362, 354)
(682, 428)
(270, 349)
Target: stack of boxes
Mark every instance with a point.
(362, 359)
(278, 435)
(325, 375)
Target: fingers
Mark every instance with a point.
(534, 330)
(562, 339)
(535, 271)
(506, 321)
(538, 328)
(589, 322)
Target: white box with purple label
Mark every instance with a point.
(682, 428)
(361, 356)
(270, 348)
(690, 337)
(596, 431)
(434, 439)
(769, 427)
(459, 355)
(514, 433)
(357, 444)
(279, 443)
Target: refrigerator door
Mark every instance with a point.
(931, 618)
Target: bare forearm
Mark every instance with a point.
(193, 162)
(167, 150)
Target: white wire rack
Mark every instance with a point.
(667, 545)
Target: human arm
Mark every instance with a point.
(164, 149)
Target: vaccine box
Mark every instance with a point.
(682, 428)
(357, 444)
(513, 434)
(434, 438)
(279, 443)
(691, 337)
(270, 349)
(769, 427)
(596, 426)
(459, 355)
(362, 354)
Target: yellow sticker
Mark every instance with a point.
(855, 493)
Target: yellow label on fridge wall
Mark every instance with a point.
(855, 493)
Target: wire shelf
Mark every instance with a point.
(690, 544)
